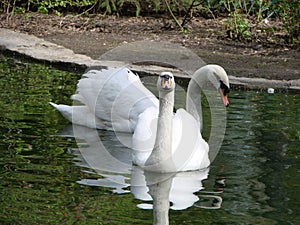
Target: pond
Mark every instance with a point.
(45, 179)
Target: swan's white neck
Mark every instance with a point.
(163, 140)
(193, 102)
(161, 156)
(206, 78)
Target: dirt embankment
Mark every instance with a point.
(97, 34)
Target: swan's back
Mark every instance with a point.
(116, 96)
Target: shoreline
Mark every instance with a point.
(40, 50)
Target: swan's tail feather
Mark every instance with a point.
(65, 110)
(80, 115)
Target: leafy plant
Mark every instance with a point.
(109, 6)
(289, 13)
(57, 6)
(237, 26)
(239, 12)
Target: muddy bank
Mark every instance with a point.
(93, 38)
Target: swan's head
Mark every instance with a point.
(222, 83)
(166, 82)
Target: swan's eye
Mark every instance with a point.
(224, 87)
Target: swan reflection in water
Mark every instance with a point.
(105, 153)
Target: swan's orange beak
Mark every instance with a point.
(224, 97)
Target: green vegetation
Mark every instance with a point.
(259, 11)
(242, 17)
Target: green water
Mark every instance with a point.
(40, 177)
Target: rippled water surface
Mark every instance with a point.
(47, 179)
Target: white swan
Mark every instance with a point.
(115, 99)
(168, 143)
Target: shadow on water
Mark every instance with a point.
(50, 179)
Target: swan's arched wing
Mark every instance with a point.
(116, 96)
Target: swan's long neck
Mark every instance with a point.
(193, 102)
(207, 80)
(160, 158)
(163, 140)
